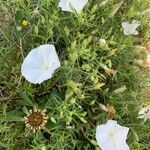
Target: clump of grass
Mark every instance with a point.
(74, 95)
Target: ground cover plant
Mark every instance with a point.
(103, 74)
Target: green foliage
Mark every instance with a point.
(74, 95)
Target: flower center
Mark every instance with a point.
(45, 67)
(112, 135)
(35, 119)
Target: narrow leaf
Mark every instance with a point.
(115, 9)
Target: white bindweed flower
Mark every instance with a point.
(40, 64)
(76, 4)
(130, 28)
(144, 113)
(112, 136)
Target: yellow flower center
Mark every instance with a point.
(112, 136)
(45, 67)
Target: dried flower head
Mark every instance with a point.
(36, 119)
(147, 46)
(146, 12)
(144, 93)
(7, 18)
(111, 110)
(110, 71)
(144, 63)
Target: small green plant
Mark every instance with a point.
(99, 77)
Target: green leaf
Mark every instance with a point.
(53, 120)
(36, 29)
(26, 99)
(73, 45)
(115, 9)
(13, 117)
(83, 120)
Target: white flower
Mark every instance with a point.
(102, 42)
(111, 136)
(130, 28)
(40, 64)
(76, 4)
(145, 113)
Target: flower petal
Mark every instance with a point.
(126, 32)
(33, 75)
(135, 24)
(76, 4)
(63, 5)
(125, 25)
(44, 76)
(135, 32)
(111, 124)
(48, 55)
(32, 57)
(101, 134)
(122, 133)
(40, 64)
(109, 146)
(122, 145)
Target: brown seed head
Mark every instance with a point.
(110, 71)
(35, 119)
(111, 110)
